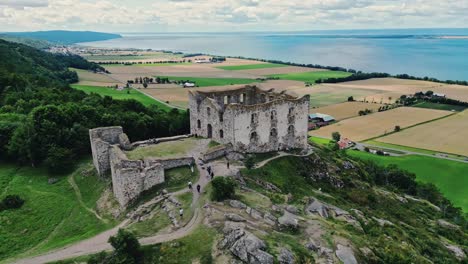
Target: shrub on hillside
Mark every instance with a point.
(249, 162)
(223, 188)
(11, 202)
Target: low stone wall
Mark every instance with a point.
(158, 140)
(217, 152)
(171, 162)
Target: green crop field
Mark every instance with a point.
(449, 176)
(122, 95)
(53, 215)
(320, 141)
(446, 107)
(311, 77)
(251, 66)
(205, 82)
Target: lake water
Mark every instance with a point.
(420, 52)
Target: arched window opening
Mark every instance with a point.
(221, 133)
(221, 117)
(253, 118)
(198, 123)
(291, 109)
(253, 136)
(291, 129)
(273, 114)
(273, 132)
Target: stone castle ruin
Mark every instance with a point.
(251, 119)
(129, 177)
(246, 119)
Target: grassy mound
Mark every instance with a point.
(53, 215)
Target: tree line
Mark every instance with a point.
(44, 121)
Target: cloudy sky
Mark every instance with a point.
(229, 15)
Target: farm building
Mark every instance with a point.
(320, 120)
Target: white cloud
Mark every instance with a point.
(210, 15)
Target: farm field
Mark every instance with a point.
(449, 176)
(446, 107)
(392, 87)
(121, 95)
(251, 66)
(278, 70)
(90, 78)
(377, 124)
(312, 76)
(53, 215)
(205, 82)
(445, 135)
(346, 110)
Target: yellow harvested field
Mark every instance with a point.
(279, 70)
(370, 126)
(395, 87)
(346, 110)
(445, 135)
(178, 96)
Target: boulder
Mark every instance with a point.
(292, 209)
(286, 257)
(270, 219)
(457, 251)
(288, 220)
(317, 207)
(234, 217)
(245, 245)
(445, 224)
(345, 254)
(237, 204)
(382, 222)
(254, 213)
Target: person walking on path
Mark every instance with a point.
(190, 185)
(212, 175)
(198, 188)
(227, 164)
(181, 212)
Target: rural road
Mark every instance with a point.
(99, 243)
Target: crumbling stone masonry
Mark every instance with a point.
(129, 177)
(251, 119)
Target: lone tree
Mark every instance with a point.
(11, 202)
(223, 188)
(397, 128)
(249, 162)
(350, 99)
(336, 136)
(127, 249)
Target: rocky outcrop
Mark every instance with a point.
(245, 245)
(286, 257)
(345, 254)
(254, 213)
(382, 222)
(237, 204)
(445, 224)
(325, 210)
(288, 220)
(234, 217)
(457, 251)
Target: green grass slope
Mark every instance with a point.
(251, 66)
(311, 77)
(446, 107)
(52, 215)
(121, 95)
(450, 177)
(205, 82)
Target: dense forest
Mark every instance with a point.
(44, 121)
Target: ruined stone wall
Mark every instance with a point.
(217, 152)
(272, 126)
(171, 162)
(260, 121)
(131, 177)
(101, 139)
